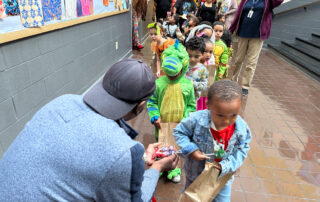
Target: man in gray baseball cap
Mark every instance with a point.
(125, 85)
(81, 149)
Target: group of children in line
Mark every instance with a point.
(185, 61)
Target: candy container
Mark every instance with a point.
(218, 149)
(164, 152)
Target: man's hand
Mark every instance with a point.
(150, 151)
(199, 156)
(157, 123)
(166, 163)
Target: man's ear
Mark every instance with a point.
(141, 104)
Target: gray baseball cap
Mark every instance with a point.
(126, 84)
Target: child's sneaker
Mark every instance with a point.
(174, 175)
(245, 92)
(176, 179)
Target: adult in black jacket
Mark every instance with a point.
(162, 7)
(207, 11)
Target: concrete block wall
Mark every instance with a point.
(35, 70)
(296, 23)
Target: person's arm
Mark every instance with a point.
(176, 7)
(223, 63)
(126, 179)
(180, 36)
(199, 11)
(152, 106)
(236, 159)
(191, 104)
(158, 66)
(183, 134)
(202, 84)
(174, 10)
(233, 7)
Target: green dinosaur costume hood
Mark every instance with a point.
(175, 58)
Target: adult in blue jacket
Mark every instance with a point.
(81, 149)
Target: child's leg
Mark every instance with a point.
(225, 193)
(135, 32)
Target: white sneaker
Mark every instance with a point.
(176, 179)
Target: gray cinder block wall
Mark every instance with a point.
(301, 22)
(35, 70)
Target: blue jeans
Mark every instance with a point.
(225, 193)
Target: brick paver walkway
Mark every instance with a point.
(283, 112)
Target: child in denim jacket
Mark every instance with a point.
(219, 125)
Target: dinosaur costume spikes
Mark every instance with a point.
(175, 58)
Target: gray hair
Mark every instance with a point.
(225, 90)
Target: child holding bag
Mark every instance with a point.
(218, 134)
(173, 98)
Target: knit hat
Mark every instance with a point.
(171, 66)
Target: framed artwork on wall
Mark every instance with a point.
(17, 20)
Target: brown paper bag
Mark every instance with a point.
(166, 135)
(206, 186)
(212, 73)
(167, 139)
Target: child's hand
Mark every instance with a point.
(157, 123)
(158, 74)
(199, 156)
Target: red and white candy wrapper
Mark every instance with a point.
(164, 152)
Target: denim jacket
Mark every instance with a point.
(193, 133)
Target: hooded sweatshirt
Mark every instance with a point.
(198, 28)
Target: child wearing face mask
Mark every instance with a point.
(220, 125)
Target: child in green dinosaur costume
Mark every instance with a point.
(173, 98)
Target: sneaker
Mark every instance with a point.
(140, 47)
(174, 175)
(176, 179)
(245, 92)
